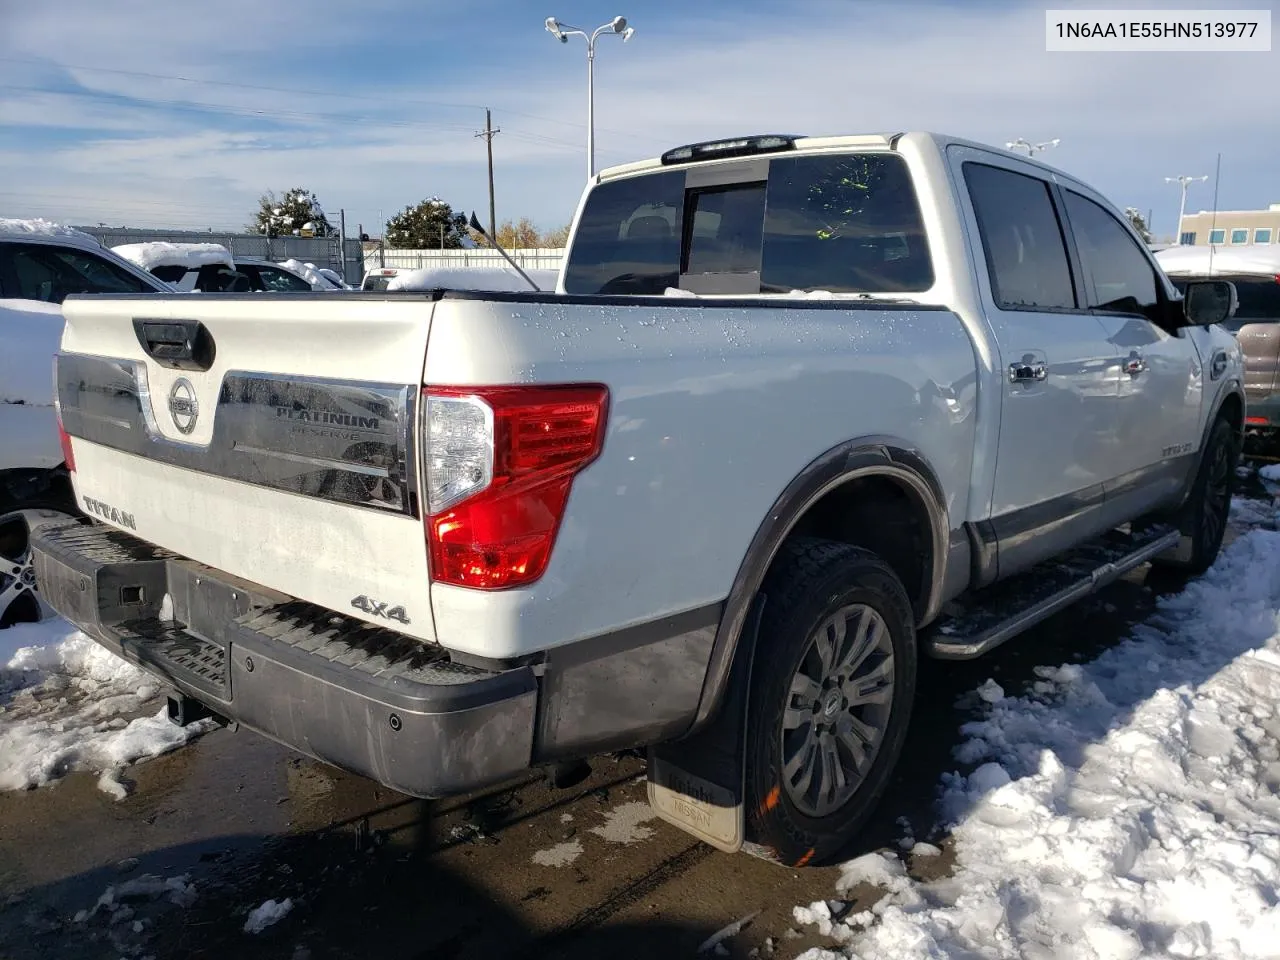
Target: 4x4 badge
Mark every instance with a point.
(378, 608)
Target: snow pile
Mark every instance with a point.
(1270, 472)
(30, 332)
(625, 823)
(159, 253)
(1124, 808)
(65, 703)
(116, 899)
(45, 228)
(473, 278)
(268, 913)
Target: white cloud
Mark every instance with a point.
(1125, 120)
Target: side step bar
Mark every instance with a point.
(990, 617)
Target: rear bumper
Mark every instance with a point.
(347, 693)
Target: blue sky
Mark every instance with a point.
(375, 105)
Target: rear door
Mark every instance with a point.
(1058, 365)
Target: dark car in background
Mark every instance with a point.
(1255, 271)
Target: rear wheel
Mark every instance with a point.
(1204, 516)
(831, 696)
(19, 598)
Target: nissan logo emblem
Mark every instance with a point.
(183, 407)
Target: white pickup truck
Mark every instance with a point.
(799, 411)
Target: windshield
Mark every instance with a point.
(376, 283)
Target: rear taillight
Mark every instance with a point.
(1256, 421)
(498, 463)
(68, 455)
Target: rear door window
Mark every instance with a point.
(1022, 239)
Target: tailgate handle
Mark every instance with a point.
(178, 344)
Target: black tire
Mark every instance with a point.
(28, 498)
(1203, 517)
(811, 582)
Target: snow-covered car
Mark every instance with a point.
(207, 267)
(41, 263)
(320, 278)
(212, 268)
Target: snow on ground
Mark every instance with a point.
(1129, 807)
(1270, 472)
(270, 912)
(67, 703)
(473, 278)
(159, 253)
(625, 823)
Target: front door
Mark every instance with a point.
(1058, 366)
(1157, 433)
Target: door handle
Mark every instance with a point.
(1028, 371)
(1135, 364)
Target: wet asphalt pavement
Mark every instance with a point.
(521, 872)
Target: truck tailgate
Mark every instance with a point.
(270, 436)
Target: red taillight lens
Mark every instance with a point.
(499, 463)
(1257, 421)
(68, 455)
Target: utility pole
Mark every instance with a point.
(488, 133)
(342, 243)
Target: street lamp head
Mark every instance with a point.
(619, 24)
(553, 28)
(627, 33)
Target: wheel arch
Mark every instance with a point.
(879, 462)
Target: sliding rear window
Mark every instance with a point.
(844, 223)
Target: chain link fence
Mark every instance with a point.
(322, 251)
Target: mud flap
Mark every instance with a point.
(697, 783)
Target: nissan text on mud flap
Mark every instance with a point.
(799, 411)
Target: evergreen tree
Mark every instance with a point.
(429, 225)
(293, 214)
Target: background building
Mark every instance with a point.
(1232, 228)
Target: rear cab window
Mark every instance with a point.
(844, 223)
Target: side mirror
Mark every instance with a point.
(1209, 301)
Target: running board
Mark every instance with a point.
(987, 618)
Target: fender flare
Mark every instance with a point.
(883, 456)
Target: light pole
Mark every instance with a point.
(1032, 148)
(562, 32)
(1185, 181)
